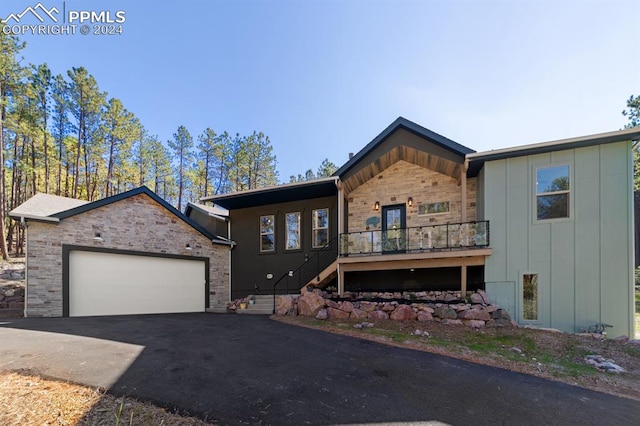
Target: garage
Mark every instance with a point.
(104, 283)
(131, 253)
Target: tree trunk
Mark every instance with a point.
(3, 242)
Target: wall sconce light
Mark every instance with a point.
(410, 201)
(376, 206)
(98, 238)
(188, 247)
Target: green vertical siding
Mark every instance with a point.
(584, 263)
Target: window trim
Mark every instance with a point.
(286, 232)
(314, 228)
(426, 213)
(538, 301)
(567, 191)
(273, 218)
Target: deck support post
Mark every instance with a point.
(463, 280)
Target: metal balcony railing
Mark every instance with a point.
(416, 239)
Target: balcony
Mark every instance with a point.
(420, 239)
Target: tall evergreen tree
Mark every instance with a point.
(61, 126)
(10, 75)
(41, 85)
(86, 104)
(182, 144)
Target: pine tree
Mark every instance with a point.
(182, 144)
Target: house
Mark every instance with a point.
(131, 253)
(545, 229)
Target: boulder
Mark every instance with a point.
(500, 323)
(322, 314)
(445, 312)
(476, 298)
(346, 306)
(473, 323)
(309, 304)
(389, 306)
(334, 313)
(452, 321)
(378, 315)
(500, 314)
(368, 306)
(450, 297)
(403, 313)
(284, 305)
(491, 308)
(332, 304)
(358, 313)
(475, 314)
(424, 316)
(485, 297)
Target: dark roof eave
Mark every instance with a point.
(137, 191)
(277, 194)
(410, 126)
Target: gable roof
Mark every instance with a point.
(42, 206)
(411, 127)
(86, 206)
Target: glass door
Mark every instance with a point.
(394, 233)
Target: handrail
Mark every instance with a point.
(307, 274)
(416, 239)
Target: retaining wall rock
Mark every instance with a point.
(447, 308)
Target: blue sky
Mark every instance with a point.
(323, 77)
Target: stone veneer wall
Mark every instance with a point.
(136, 223)
(403, 180)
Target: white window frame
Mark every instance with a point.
(543, 194)
(287, 231)
(273, 220)
(315, 227)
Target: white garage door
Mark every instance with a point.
(119, 284)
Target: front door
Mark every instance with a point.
(394, 220)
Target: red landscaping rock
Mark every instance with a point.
(334, 313)
(403, 313)
(378, 315)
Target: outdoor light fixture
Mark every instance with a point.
(98, 238)
(188, 246)
(410, 201)
(376, 206)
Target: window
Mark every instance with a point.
(433, 208)
(267, 233)
(530, 297)
(552, 192)
(292, 231)
(320, 227)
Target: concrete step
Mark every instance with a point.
(255, 311)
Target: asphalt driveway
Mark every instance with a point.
(251, 370)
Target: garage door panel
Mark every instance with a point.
(118, 284)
